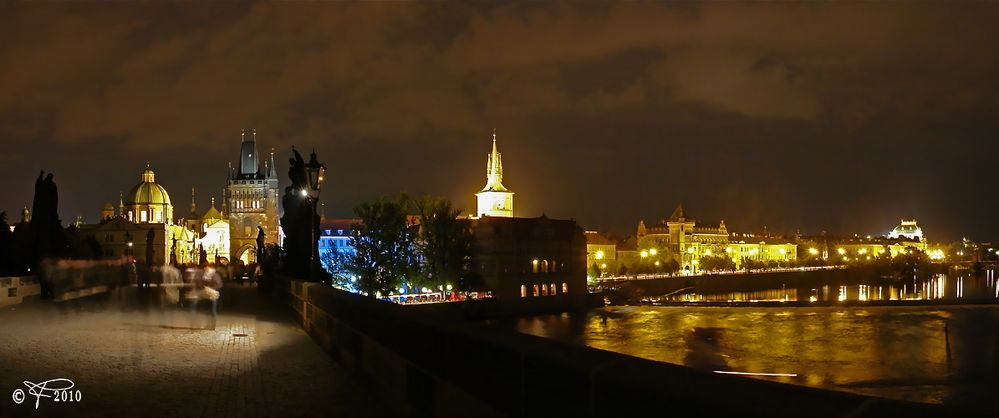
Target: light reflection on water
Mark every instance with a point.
(896, 352)
(937, 287)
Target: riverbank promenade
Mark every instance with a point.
(130, 358)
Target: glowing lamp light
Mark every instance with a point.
(782, 251)
(707, 252)
(841, 251)
(813, 251)
(603, 266)
(690, 250)
(657, 264)
(653, 251)
(449, 287)
(600, 255)
(862, 251)
(644, 253)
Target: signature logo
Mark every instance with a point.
(60, 390)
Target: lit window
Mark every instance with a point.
(544, 290)
(536, 293)
(523, 291)
(143, 216)
(565, 287)
(552, 287)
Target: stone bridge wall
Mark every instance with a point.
(426, 364)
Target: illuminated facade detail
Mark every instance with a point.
(494, 199)
(688, 242)
(909, 230)
(599, 249)
(148, 202)
(252, 201)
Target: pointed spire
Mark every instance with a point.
(121, 204)
(194, 209)
(494, 169)
(271, 170)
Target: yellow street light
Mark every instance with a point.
(653, 251)
(657, 264)
(644, 254)
(862, 251)
(600, 255)
(841, 251)
(813, 251)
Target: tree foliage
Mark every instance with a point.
(383, 243)
(444, 242)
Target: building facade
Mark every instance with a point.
(251, 201)
(530, 264)
(689, 242)
(600, 250)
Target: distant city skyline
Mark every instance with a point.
(760, 115)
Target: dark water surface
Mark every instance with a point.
(936, 354)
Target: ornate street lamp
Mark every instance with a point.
(315, 174)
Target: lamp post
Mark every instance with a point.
(315, 174)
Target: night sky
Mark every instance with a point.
(810, 117)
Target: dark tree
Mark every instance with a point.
(384, 246)
(444, 243)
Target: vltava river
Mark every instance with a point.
(947, 354)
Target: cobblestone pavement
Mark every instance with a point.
(128, 360)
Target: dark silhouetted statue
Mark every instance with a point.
(300, 221)
(260, 244)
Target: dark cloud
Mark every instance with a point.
(815, 116)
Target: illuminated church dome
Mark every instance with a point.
(148, 202)
(907, 229)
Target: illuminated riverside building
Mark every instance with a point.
(688, 243)
(494, 199)
(600, 250)
(529, 264)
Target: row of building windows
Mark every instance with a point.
(145, 216)
(542, 266)
(248, 204)
(543, 290)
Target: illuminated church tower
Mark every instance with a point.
(251, 201)
(494, 199)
